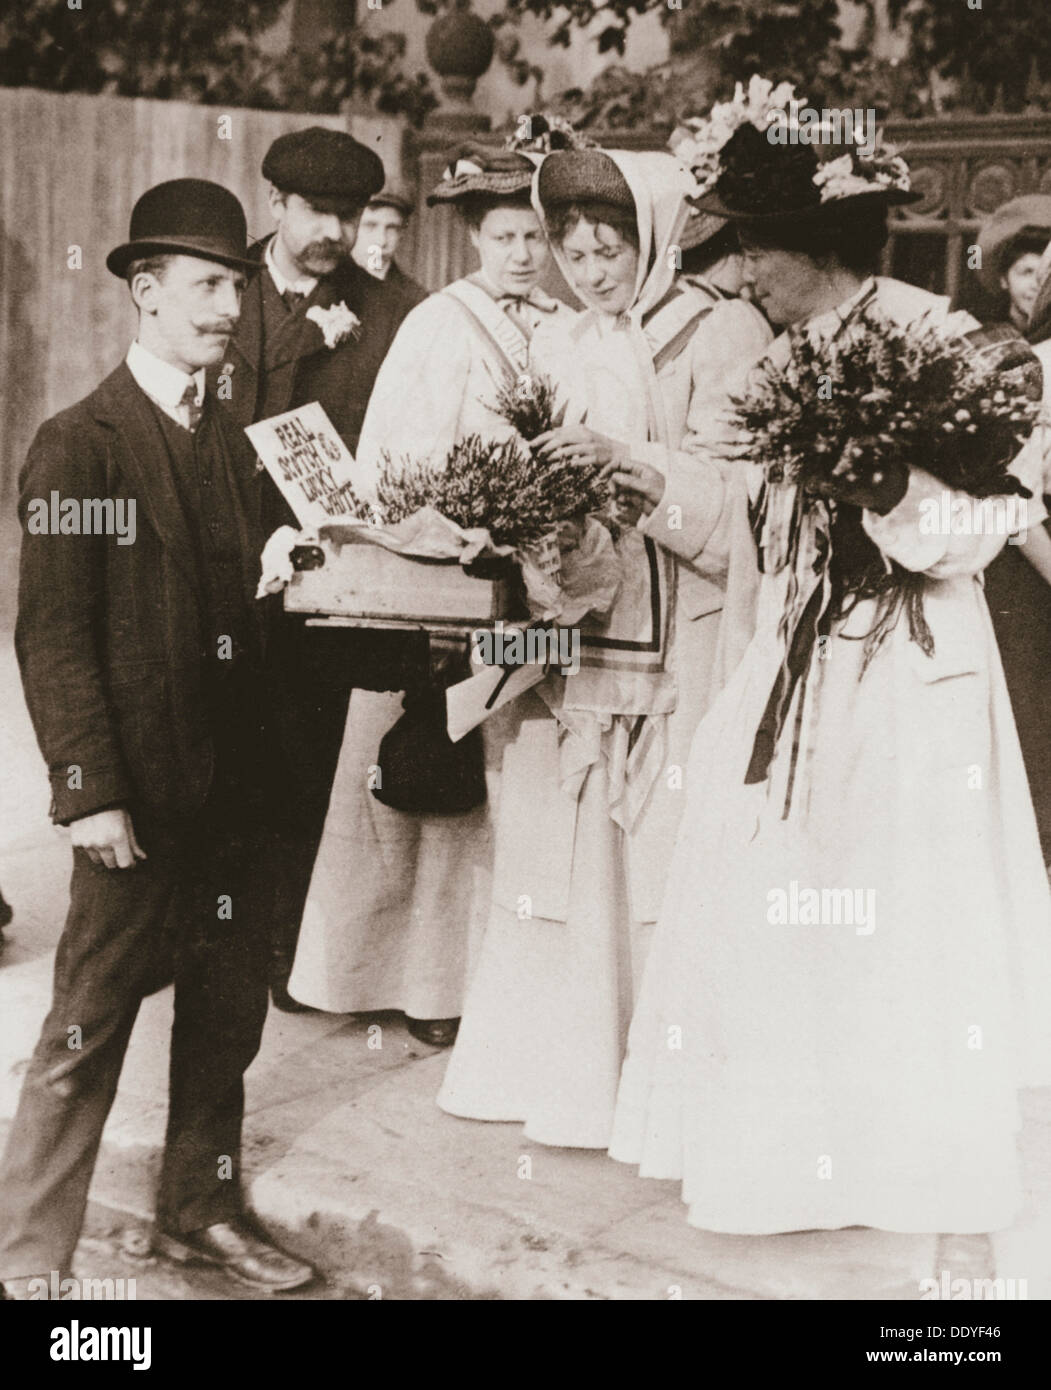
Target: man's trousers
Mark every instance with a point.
(195, 910)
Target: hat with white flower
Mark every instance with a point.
(754, 163)
(477, 169)
(540, 133)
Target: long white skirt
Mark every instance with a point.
(860, 1069)
(396, 898)
(550, 1001)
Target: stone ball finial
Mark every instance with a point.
(459, 48)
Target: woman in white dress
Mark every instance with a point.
(849, 1058)
(592, 780)
(396, 896)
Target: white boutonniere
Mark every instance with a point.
(337, 323)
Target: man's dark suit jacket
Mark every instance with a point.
(295, 366)
(111, 638)
(403, 287)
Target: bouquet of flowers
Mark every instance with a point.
(518, 499)
(878, 395)
(529, 403)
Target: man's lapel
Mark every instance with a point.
(242, 460)
(248, 340)
(301, 337)
(296, 335)
(142, 455)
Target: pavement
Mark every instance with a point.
(349, 1159)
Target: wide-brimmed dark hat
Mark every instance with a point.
(476, 169)
(772, 185)
(319, 163)
(189, 217)
(583, 176)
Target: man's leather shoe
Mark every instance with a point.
(435, 1032)
(236, 1248)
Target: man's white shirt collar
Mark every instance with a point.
(161, 381)
(304, 285)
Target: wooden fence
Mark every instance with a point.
(71, 167)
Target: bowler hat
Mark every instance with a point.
(188, 217)
(321, 163)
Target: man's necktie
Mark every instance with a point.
(190, 411)
(293, 298)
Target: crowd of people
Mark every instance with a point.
(759, 710)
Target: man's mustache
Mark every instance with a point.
(226, 327)
(325, 248)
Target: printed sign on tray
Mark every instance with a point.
(308, 461)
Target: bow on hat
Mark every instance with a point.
(461, 167)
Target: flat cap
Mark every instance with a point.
(394, 194)
(322, 163)
(582, 176)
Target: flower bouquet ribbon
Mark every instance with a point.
(835, 425)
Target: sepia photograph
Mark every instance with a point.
(525, 614)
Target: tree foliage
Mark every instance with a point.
(200, 50)
(1000, 54)
(997, 57)
(994, 58)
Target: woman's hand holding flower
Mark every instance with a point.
(575, 444)
(637, 489)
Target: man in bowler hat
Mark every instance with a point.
(320, 180)
(141, 665)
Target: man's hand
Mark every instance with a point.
(107, 837)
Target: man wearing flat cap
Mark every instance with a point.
(379, 232)
(320, 180)
(141, 652)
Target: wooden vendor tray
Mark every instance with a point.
(360, 583)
